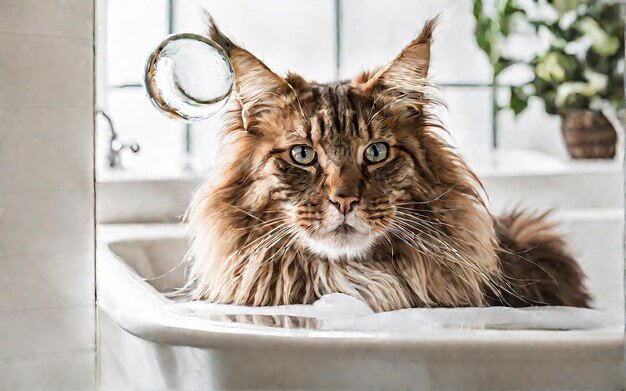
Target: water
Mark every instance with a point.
(188, 77)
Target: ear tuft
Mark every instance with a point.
(409, 70)
(258, 88)
(296, 81)
(426, 35)
(216, 35)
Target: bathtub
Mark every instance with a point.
(148, 342)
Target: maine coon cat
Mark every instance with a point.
(349, 187)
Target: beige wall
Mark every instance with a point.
(47, 321)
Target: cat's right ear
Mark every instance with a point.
(407, 73)
(257, 87)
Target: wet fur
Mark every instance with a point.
(433, 241)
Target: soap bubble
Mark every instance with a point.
(188, 77)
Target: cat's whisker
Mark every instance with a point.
(265, 224)
(301, 111)
(454, 254)
(380, 96)
(294, 236)
(429, 201)
(488, 279)
(384, 107)
(457, 273)
(264, 236)
(416, 219)
(417, 211)
(243, 211)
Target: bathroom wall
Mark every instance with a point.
(287, 35)
(303, 37)
(47, 321)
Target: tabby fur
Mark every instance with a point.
(267, 231)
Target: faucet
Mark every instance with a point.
(116, 146)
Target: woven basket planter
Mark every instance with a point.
(588, 134)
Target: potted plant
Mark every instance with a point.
(577, 66)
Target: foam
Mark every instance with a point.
(339, 312)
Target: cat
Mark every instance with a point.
(349, 187)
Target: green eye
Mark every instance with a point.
(303, 155)
(376, 153)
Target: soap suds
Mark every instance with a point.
(338, 312)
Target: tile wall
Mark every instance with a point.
(302, 36)
(47, 322)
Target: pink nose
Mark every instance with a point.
(344, 203)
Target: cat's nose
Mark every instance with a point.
(344, 203)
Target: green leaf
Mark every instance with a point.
(602, 43)
(584, 62)
(519, 100)
(550, 67)
(567, 94)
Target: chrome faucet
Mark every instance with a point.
(116, 146)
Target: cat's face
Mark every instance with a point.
(336, 169)
(341, 166)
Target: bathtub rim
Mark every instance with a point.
(158, 325)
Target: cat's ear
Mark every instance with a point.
(407, 73)
(257, 87)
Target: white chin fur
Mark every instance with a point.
(331, 249)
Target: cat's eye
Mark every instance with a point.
(303, 155)
(376, 153)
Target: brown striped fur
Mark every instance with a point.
(266, 230)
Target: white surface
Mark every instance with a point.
(30, 282)
(183, 345)
(133, 28)
(46, 71)
(161, 140)
(286, 35)
(43, 222)
(47, 323)
(339, 312)
(456, 57)
(34, 333)
(64, 372)
(31, 154)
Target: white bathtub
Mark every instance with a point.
(147, 342)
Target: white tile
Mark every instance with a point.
(532, 129)
(597, 245)
(122, 201)
(47, 280)
(69, 372)
(206, 141)
(45, 221)
(45, 71)
(38, 332)
(134, 29)
(67, 18)
(553, 190)
(45, 148)
(286, 35)
(468, 118)
(373, 32)
(161, 139)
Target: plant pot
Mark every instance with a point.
(588, 134)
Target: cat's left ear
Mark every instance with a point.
(258, 88)
(407, 73)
